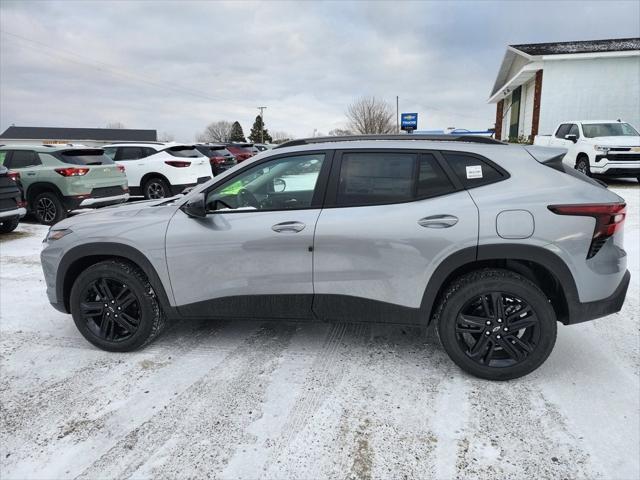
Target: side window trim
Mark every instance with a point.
(319, 194)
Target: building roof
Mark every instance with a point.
(521, 62)
(580, 46)
(103, 134)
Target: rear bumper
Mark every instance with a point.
(16, 212)
(582, 312)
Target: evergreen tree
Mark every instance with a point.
(259, 134)
(237, 135)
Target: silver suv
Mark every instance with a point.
(494, 243)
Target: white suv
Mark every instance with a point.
(158, 170)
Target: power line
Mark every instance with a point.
(102, 66)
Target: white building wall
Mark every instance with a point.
(526, 109)
(590, 89)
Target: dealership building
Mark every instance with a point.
(90, 137)
(540, 85)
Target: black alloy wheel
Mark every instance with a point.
(115, 307)
(110, 309)
(496, 324)
(497, 329)
(48, 208)
(156, 188)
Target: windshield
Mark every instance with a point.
(85, 157)
(592, 130)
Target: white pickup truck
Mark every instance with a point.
(597, 147)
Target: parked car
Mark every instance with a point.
(394, 229)
(58, 179)
(220, 158)
(242, 151)
(158, 170)
(11, 203)
(598, 147)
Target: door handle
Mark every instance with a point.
(288, 227)
(438, 221)
(31, 174)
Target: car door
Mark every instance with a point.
(252, 253)
(389, 219)
(134, 166)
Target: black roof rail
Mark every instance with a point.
(413, 136)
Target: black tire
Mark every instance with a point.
(128, 296)
(463, 320)
(155, 188)
(9, 224)
(48, 209)
(582, 165)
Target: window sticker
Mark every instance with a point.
(474, 171)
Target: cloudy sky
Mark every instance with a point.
(176, 66)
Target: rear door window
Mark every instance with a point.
(111, 152)
(129, 153)
(473, 171)
(369, 178)
(432, 180)
(23, 159)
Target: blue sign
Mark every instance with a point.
(408, 121)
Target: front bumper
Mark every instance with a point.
(582, 312)
(618, 167)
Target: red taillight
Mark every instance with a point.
(72, 171)
(14, 175)
(217, 160)
(120, 168)
(177, 163)
(609, 219)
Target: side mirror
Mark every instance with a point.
(195, 207)
(573, 138)
(279, 185)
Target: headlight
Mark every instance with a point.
(57, 234)
(602, 148)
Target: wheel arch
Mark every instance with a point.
(149, 175)
(83, 256)
(537, 264)
(37, 188)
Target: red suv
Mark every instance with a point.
(241, 151)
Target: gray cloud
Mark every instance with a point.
(175, 66)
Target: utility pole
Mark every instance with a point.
(397, 115)
(262, 118)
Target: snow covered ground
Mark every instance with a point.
(268, 400)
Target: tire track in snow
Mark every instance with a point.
(215, 410)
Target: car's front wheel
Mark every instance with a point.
(582, 165)
(496, 324)
(114, 306)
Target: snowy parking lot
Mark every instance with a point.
(275, 400)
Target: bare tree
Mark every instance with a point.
(369, 115)
(166, 137)
(340, 132)
(115, 125)
(281, 137)
(216, 132)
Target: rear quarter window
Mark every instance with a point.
(473, 171)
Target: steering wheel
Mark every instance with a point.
(247, 199)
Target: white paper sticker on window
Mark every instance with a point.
(474, 171)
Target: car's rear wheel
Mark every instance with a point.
(156, 188)
(9, 224)
(496, 324)
(114, 306)
(48, 208)
(582, 165)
